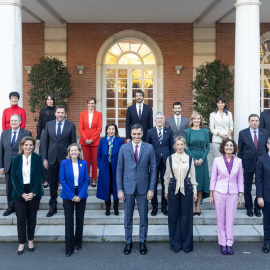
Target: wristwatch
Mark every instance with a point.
(240, 194)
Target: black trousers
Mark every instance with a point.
(53, 181)
(180, 217)
(248, 179)
(266, 222)
(70, 240)
(109, 201)
(9, 189)
(45, 172)
(161, 168)
(26, 213)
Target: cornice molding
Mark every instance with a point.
(16, 3)
(248, 4)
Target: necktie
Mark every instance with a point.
(178, 123)
(255, 139)
(58, 135)
(140, 112)
(136, 153)
(13, 139)
(160, 136)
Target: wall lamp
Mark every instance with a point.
(81, 69)
(28, 69)
(178, 69)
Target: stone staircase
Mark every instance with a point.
(99, 227)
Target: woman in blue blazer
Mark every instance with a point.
(107, 159)
(74, 180)
(26, 176)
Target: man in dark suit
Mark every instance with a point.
(162, 140)
(265, 118)
(177, 123)
(251, 145)
(136, 177)
(58, 135)
(139, 113)
(9, 147)
(263, 193)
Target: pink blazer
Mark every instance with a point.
(224, 182)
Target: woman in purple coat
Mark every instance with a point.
(107, 159)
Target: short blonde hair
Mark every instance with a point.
(80, 156)
(180, 138)
(194, 115)
(22, 142)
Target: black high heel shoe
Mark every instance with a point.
(20, 252)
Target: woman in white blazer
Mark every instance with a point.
(221, 125)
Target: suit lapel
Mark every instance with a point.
(80, 169)
(33, 165)
(133, 107)
(223, 164)
(71, 170)
(53, 129)
(268, 159)
(260, 140)
(115, 146)
(131, 151)
(19, 138)
(248, 134)
(141, 150)
(165, 134)
(173, 124)
(8, 138)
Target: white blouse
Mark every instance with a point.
(26, 169)
(76, 173)
(180, 165)
(90, 119)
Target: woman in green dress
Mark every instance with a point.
(198, 146)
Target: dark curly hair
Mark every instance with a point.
(222, 146)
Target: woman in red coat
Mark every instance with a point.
(14, 99)
(90, 126)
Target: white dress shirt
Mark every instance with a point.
(90, 119)
(137, 108)
(252, 133)
(138, 149)
(76, 173)
(26, 169)
(175, 119)
(62, 126)
(17, 133)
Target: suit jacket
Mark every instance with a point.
(6, 151)
(67, 179)
(265, 120)
(52, 149)
(92, 133)
(104, 178)
(170, 123)
(36, 176)
(220, 125)
(133, 118)
(131, 176)
(161, 150)
(247, 150)
(262, 178)
(224, 182)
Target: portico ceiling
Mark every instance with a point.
(134, 11)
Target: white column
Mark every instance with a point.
(247, 63)
(10, 52)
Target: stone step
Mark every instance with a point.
(116, 233)
(98, 217)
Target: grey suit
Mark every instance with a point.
(6, 155)
(135, 180)
(170, 123)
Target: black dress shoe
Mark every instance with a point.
(78, 248)
(164, 210)
(143, 249)
(266, 248)
(31, 249)
(20, 252)
(257, 213)
(116, 212)
(8, 212)
(154, 211)
(250, 213)
(51, 212)
(68, 254)
(128, 247)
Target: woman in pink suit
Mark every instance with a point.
(226, 188)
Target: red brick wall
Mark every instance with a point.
(33, 49)
(174, 40)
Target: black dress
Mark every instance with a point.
(45, 115)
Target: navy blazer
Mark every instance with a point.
(104, 179)
(67, 179)
(133, 118)
(247, 150)
(265, 120)
(163, 150)
(262, 179)
(36, 176)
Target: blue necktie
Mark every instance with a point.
(58, 135)
(140, 112)
(13, 139)
(160, 136)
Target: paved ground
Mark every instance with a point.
(110, 256)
